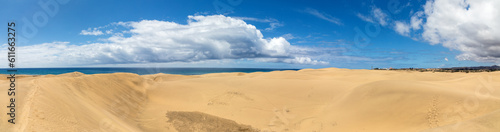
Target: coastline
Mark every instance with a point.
(140, 71)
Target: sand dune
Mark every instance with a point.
(328, 100)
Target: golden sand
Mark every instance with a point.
(327, 100)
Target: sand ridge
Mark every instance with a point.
(326, 100)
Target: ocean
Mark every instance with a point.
(140, 71)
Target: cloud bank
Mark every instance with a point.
(213, 37)
(470, 26)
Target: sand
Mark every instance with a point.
(327, 100)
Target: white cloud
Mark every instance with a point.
(416, 20)
(91, 31)
(471, 26)
(376, 16)
(109, 31)
(379, 15)
(402, 28)
(295, 60)
(323, 16)
(203, 38)
(273, 26)
(304, 60)
(288, 36)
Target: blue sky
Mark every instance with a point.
(315, 34)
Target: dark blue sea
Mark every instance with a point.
(140, 71)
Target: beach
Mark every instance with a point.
(308, 100)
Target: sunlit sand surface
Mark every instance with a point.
(327, 100)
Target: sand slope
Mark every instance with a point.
(307, 100)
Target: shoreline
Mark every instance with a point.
(140, 71)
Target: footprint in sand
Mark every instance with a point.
(433, 113)
(228, 97)
(281, 121)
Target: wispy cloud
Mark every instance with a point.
(365, 18)
(323, 16)
(402, 28)
(376, 16)
(288, 36)
(91, 31)
(379, 15)
(273, 23)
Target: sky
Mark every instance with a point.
(355, 34)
